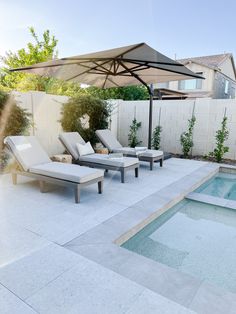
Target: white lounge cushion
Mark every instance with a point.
(105, 160)
(108, 139)
(69, 172)
(85, 149)
(69, 140)
(140, 149)
(27, 151)
(133, 152)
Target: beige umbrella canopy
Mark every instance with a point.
(131, 65)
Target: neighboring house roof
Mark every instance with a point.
(213, 62)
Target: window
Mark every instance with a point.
(163, 85)
(191, 84)
(226, 87)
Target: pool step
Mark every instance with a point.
(208, 199)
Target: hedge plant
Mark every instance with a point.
(133, 133)
(156, 137)
(13, 121)
(186, 138)
(85, 114)
(221, 136)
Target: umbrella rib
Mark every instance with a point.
(106, 78)
(168, 70)
(87, 71)
(134, 75)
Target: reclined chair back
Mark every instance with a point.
(108, 139)
(69, 141)
(27, 151)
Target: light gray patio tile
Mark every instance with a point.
(10, 304)
(160, 278)
(31, 213)
(76, 220)
(152, 303)
(86, 288)
(56, 227)
(99, 234)
(157, 277)
(17, 242)
(123, 196)
(169, 193)
(74, 232)
(211, 299)
(151, 203)
(107, 254)
(32, 272)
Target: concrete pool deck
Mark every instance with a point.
(61, 257)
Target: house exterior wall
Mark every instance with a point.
(207, 83)
(227, 69)
(213, 85)
(219, 87)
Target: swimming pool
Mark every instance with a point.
(222, 185)
(195, 238)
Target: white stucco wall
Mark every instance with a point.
(174, 120)
(45, 110)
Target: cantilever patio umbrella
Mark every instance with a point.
(131, 65)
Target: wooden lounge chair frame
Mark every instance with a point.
(18, 170)
(122, 170)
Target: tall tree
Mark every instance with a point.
(39, 50)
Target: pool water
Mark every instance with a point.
(195, 238)
(222, 185)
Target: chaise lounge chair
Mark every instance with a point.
(34, 162)
(109, 141)
(122, 164)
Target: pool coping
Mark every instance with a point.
(102, 245)
(214, 200)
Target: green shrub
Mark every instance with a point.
(186, 138)
(85, 114)
(221, 136)
(13, 121)
(133, 133)
(156, 137)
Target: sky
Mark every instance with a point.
(178, 29)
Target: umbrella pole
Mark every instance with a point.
(150, 91)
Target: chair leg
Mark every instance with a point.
(151, 164)
(100, 187)
(106, 170)
(42, 186)
(136, 172)
(122, 172)
(77, 194)
(14, 178)
(161, 162)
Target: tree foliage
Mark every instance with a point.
(13, 121)
(85, 114)
(138, 92)
(44, 49)
(38, 51)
